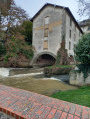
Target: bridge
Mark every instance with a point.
(44, 57)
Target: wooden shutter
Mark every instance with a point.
(46, 32)
(46, 44)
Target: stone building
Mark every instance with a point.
(85, 25)
(50, 24)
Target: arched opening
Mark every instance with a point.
(46, 59)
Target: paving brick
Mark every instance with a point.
(72, 110)
(85, 113)
(76, 117)
(23, 104)
(45, 113)
(64, 115)
(70, 116)
(78, 110)
(66, 108)
(51, 114)
(57, 114)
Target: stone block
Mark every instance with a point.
(76, 78)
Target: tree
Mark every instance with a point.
(82, 49)
(11, 16)
(17, 51)
(2, 49)
(84, 8)
(27, 31)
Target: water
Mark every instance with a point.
(4, 72)
(34, 81)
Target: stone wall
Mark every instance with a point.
(18, 65)
(77, 78)
(54, 35)
(59, 25)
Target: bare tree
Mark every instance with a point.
(84, 8)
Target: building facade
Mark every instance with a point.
(85, 25)
(51, 24)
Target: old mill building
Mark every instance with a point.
(50, 24)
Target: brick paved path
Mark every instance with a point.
(23, 104)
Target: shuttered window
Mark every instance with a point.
(45, 44)
(46, 32)
(46, 20)
(69, 45)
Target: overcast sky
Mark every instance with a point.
(32, 6)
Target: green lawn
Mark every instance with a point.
(80, 96)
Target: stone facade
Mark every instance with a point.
(85, 25)
(50, 24)
(77, 78)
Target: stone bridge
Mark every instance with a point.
(43, 57)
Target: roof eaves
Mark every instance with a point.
(44, 7)
(68, 10)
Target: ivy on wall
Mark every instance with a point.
(85, 69)
(58, 58)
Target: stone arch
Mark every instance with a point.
(43, 53)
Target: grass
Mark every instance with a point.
(80, 96)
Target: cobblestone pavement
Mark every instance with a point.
(23, 104)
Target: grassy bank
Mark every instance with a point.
(80, 96)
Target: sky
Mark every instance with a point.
(33, 6)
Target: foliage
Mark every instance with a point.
(82, 49)
(58, 58)
(16, 48)
(2, 49)
(11, 20)
(85, 69)
(80, 96)
(11, 17)
(27, 31)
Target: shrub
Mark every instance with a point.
(2, 49)
(82, 49)
(17, 49)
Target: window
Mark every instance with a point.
(69, 45)
(89, 28)
(70, 22)
(46, 32)
(45, 44)
(74, 45)
(70, 34)
(74, 37)
(75, 28)
(79, 34)
(46, 20)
